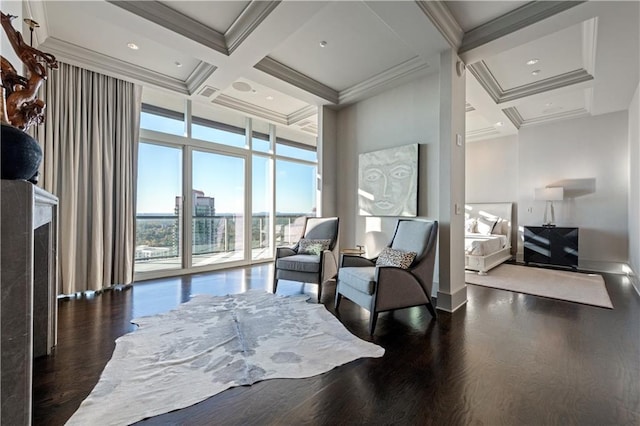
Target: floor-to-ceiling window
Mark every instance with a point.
(216, 188)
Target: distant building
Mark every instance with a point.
(204, 222)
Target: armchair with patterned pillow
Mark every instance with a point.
(313, 258)
(400, 277)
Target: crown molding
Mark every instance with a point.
(468, 107)
(267, 114)
(481, 134)
(516, 118)
(589, 37)
(367, 87)
(296, 78)
(175, 21)
(301, 114)
(440, 15)
(198, 76)
(70, 53)
(483, 74)
(519, 18)
(247, 22)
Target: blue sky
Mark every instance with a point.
(219, 176)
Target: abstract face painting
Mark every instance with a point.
(387, 182)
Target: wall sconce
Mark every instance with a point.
(549, 195)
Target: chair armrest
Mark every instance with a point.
(399, 286)
(284, 252)
(349, 260)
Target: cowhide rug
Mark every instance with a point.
(213, 343)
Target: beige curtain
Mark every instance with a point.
(90, 144)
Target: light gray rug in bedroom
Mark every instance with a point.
(213, 343)
(576, 287)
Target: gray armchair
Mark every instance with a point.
(386, 288)
(315, 266)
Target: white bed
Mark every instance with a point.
(488, 235)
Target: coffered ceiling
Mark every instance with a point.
(279, 60)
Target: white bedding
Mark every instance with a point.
(482, 245)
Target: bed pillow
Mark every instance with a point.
(307, 246)
(398, 258)
(470, 226)
(501, 227)
(485, 226)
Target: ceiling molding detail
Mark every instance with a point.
(589, 37)
(441, 17)
(72, 54)
(267, 114)
(468, 107)
(198, 76)
(514, 116)
(301, 114)
(247, 22)
(481, 133)
(296, 78)
(519, 18)
(175, 21)
(486, 79)
(365, 88)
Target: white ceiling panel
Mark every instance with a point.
(218, 15)
(556, 54)
(98, 32)
(471, 14)
(548, 106)
(263, 96)
(358, 46)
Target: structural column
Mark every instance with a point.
(452, 291)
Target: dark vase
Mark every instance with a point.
(20, 155)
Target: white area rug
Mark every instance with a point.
(210, 344)
(571, 286)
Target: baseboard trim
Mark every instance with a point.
(451, 302)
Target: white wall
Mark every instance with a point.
(634, 185)
(492, 170)
(12, 8)
(403, 115)
(583, 148)
(592, 148)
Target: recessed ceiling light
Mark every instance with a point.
(535, 72)
(178, 64)
(499, 124)
(132, 46)
(269, 98)
(323, 43)
(532, 61)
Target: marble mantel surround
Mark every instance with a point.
(28, 284)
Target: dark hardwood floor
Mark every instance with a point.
(503, 359)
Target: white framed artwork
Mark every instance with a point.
(388, 182)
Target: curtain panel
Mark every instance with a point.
(90, 145)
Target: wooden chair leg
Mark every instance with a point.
(372, 322)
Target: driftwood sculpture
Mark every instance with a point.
(20, 106)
